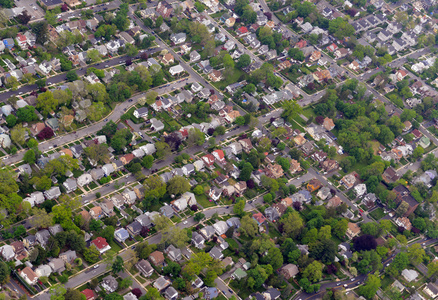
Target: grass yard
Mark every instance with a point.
(273, 232)
(377, 213)
(141, 280)
(230, 79)
(203, 200)
(232, 243)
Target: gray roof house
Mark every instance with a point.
(53, 193)
(57, 265)
(234, 221)
(121, 235)
(216, 253)
(134, 228)
(145, 268)
(42, 237)
(198, 240)
(55, 229)
(167, 211)
(96, 174)
(161, 283)
(272, 214)
(68, 256)
(110, 284)
(207, 232)
(173, 253)
(220, 227)
(170, 293)
(70, 185)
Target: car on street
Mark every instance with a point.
(106, 120)
(107, 184)
(130, 100)
(185, 222)
(230, 290)
(352, 279)
(96, 266)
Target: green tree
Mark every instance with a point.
(4, 273)
(91, 254)
(246, 172)
(178, 185)
(292, 224)
(248, 226)
(371, 286)
(244, 61)
(416, 254)
(195, 137)
(46, 103)
(29, 157)
(239, 207)
(72, 76)
(313, 271)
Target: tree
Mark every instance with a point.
(18, 134)
(40, 29)
(274, 258)
(11, 120)
(291, 224)
(340, 28)
(4, 273)
(72, 76)
(416, 254)
(163, 149)
(125, 283)
(24, 17)
(41, 219)
(178, 185)
(91, 254)
(418, 152)
(245, 173)
(113, 296)
(244, 61)
(248, 226)
(97, 152)
(239, 207)
(72, 294)
(402, 208)
(371, 286)
(313, 272)
(291, 109)
(195, 137)
(365, 242)
(147, 161)
(26, 114)
(151, 96)
(400, 261)
(46, 103)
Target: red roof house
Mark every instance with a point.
(101, 244)
(242, 30)
(417, 133)
(219, 155)
(332, 47)
(208, 160)
(260, 218)
(89, 294)
(301, 44)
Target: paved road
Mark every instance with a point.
(24, 89)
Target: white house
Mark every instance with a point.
(175, 70)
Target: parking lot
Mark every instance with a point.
(32, 8)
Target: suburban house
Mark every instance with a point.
(101, 244)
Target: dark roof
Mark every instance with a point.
(52, 2)
(405, 195)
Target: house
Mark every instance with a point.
(409, 275)
(328, 124)
(239, 274)
(259, 218)
(401, 74)
(7, 252)
(274, 171)
(156, 258)
(216, 253)
(43, 270)
(220, 227)
(323, 193)
(348, 181)
(53, 193)
(57, 265)
(352, 230)
(161, 283)
(70, 185)
(272, 214)
(173, 253)
(178, 38)
(334, 202)
(319, 156)
(68, 256)
(89, 294)
(197, 240)
(390, 175)
(424, 142)
(121, 235)
(42, 237)
(164, 9)
(55, 229)
(403, 194)
(96, 212)
(194, 56)
(207, 232)
(176, 70)
(215, 76)
(369, 200)
(341, 53)
(404, 222)
(29, 276)
(167, 211)
(170, 293)
(289, 271)
(141, 112)
(109, 284)
(145, 268)
(360, 189)
(431, 290)
(242, 31)
(314, 185)
(101, 244)
(330, 165)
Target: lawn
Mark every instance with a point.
(232, 243)
(203, 201)
(141, 280)
(273, 232)
(378, 213)
(230, 79)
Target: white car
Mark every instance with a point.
(96, 266)
(185, 222)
